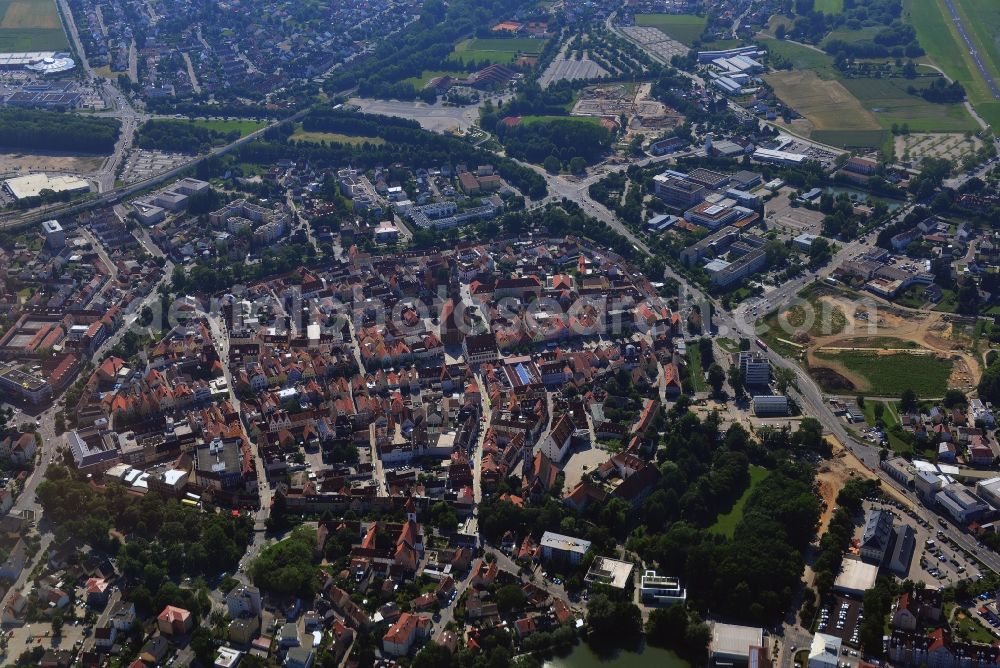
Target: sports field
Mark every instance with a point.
(529, 120)
(685, 28)
(940, 38)
(502, 51)
(30, 25)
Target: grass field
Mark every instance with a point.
(698, 382)
(31, 25)
(427, 75)
(245, 127)
(802, 57)
(725, 524)
(331, 137)
(852, 36)
(502, 51)
(829, 6)
(889, 375)
(685, 28)
(940, 38)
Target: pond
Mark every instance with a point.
(646, 657)
(862, 196)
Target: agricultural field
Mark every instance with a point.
(826, 103)
(856, 111)
(502, 51)
(685, 28)
(939, 36)
(31, 25)
(890, 103)
(888, 374)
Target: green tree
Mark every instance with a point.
(510, 598)
(552, 164)
(908, 401)
(716, 378)
(443, 517)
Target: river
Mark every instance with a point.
(647, 657)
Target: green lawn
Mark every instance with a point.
(728, 345)
(244, 126)
(939, 36)
(698, 382)
(502, 51)
(722, 44)
(948, 303)
(968, 628)
(829, 6)
(802, 57)
(889, 375)
(852, 36)
(685, 28)
(420, 82)
(725, 523)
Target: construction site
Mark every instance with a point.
(643, 114)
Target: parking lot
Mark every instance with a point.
(656, 41)
(571, 69)
(142, 164)
(936, 562)
(24, 638)
(795, 220)
(841, 617)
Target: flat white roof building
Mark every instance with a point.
(825, 651)
(732, 643)
(563, 547)
(661, 589)
(610, 572)
(31, 185)
(855, 577)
